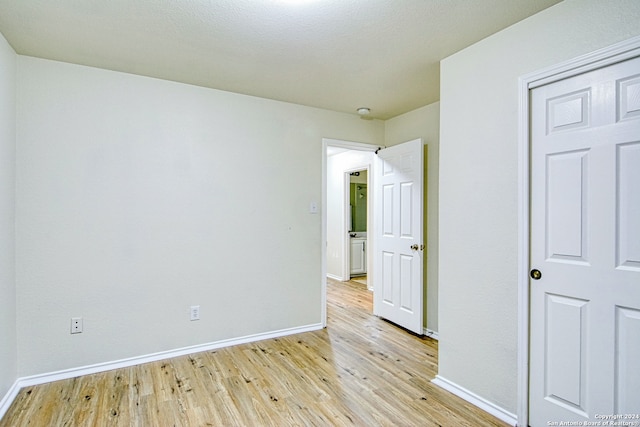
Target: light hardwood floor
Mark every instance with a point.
(360, 370)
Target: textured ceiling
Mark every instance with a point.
(332, 54)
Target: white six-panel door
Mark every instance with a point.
(398, 287)
(585, 244)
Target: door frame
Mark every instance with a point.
(349, 145)
(600, 58)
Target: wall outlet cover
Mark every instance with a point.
(76, 325)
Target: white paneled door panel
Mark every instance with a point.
(398, 288)
(585, 247)
(628, 208)
(567, 218)
(627, 361)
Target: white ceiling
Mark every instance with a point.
(332, 54)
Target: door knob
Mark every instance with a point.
(414, 247)
(535, 274)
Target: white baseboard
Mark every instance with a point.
(334, 277)
(8, 398)
(6, 401)
(476, 400)
(431, 334)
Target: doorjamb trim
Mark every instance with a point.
(600, 58)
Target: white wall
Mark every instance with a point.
(134, 202)
(424, 123)
(337, 165)
(478, 183)
(8, 340)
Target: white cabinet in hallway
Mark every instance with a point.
(358, 255)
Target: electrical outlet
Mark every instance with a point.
(76, 325)
(195, 312)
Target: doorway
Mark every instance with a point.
(357, 224)
(340, 159)
(395, 269)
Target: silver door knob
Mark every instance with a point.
(414, 247)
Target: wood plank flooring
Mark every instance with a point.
(359, 371)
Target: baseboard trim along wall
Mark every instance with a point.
(476, 400)
(8, 398)
(6, 401)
